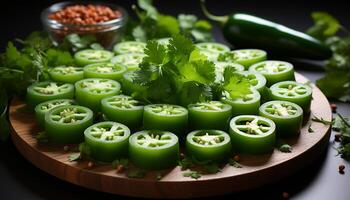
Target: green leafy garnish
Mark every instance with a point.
(285, 148)
(235, 84)
(41, 137)
(74, 157)
(186, 163)
(211, 168)
(321, 120)
(193, 174)
(310, 130)
(325, 25)
(234, 163)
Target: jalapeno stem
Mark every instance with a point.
(221, 19)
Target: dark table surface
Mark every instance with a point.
(19, 179)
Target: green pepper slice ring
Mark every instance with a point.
(220, 68)
(292, 91)
(89, 92)
(252, 134)
(66, 74)
(247, 105)
(90, 56)
(155, 150)
(209, 145)
(211, 56)
(213, 47)
(44, 91)
(274, 71)
(104, 70)
(165, 117)
(256, 80)
(247, 57)
(209, 115)
(129, 47)
(131, 60)
(66, 124)
(123, 109)
(287, 116)
(107, 141)
(44, 107)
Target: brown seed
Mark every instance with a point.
(120, 169)
(285, 195)
(90, 164)
(337, 137)
(237, 158)
(334, 107)
(341, 169)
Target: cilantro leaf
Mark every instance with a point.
(193, 174)
(235, 84)
(234, 163)
(325, 25)
(156, 53)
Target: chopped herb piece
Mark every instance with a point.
(193, 174)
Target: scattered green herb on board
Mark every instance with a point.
(310, 130)
(285, 148)
(186, 163)
(321, 120)
(192, 174)
(41, 137)
(211, 168)
(336, 83)
(234, 163)
(74, 157)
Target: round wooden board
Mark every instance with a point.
(256, 170)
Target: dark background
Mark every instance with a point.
(21, 180)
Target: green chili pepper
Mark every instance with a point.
(123, 109)
(247, 105)
(292, 91)
(165, 117)
(154, 149)
(287, 116)
(209, 115)
(252, 134)
(129, 86)
(244, 31)
(89, 92)
(274, 71)
(107, 141)
(129, 47)
(245, 57)
(42, 108)
(66, 124)
(209, 145)
(44, 91)
(66, 74)
(90, 56)
(104, 70)
(131, 60)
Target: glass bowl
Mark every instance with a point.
(106, 33)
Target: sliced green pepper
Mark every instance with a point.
(274, 71)
(257, 81)
(44, 91)
(89, 92)
(154, 150)
(129, 47)
(44, 107)
(66, 124)
(252, 134)
(131, 60)
(248, 105)
(211, 56)
(245, 57)
(220, 67)
(128, 85)
(209, 115)
(292, 91)
(123, 109)
(66, 74)
(104, 70)
(90, 56)
(213, 47)
(165, 117)
(164, 41)
(209, 145)
(107, 141)
(287, 116)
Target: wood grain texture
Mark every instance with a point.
(256, 170)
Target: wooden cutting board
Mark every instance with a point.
(256, 170)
